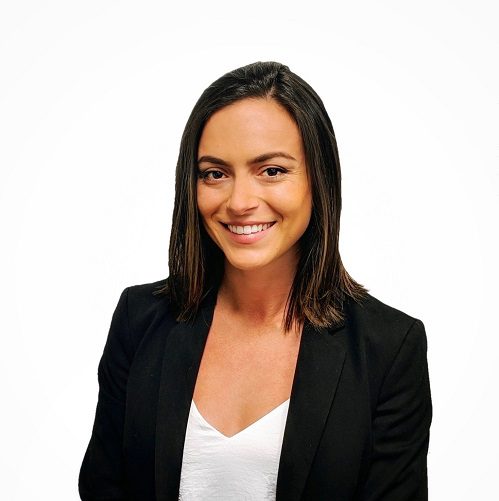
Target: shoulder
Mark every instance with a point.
(142, 308)
(375, 316)
(144, 298)
(382, 330)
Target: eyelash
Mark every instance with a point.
(205, 175)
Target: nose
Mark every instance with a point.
(242, 197)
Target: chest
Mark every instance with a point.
(244, 376)
(243, 466)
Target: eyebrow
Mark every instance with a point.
(259, 159)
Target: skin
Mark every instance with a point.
(248, 363)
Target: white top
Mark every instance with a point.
(241, 467)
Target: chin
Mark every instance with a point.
(247, 264)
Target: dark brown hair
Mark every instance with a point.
(321, 284)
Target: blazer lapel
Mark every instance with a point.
(182, 356)
(319, 365)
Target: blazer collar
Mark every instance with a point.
(320, 360)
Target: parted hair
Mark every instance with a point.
(321, 284)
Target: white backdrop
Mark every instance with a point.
(93, 99)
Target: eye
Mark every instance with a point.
(210, 175)
(274, 171)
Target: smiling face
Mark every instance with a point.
(253, 192)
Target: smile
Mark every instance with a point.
(248, 229)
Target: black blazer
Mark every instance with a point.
(358, 419)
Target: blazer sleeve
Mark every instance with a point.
(401, 426)
(102, 471)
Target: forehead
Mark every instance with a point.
(250, 127)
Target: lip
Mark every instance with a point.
(246, 223)
(252, 237)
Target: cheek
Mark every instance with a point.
(299, 204)
(204, 202)
(304, 213)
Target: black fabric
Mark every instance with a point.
(358, 420)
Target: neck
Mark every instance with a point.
(259, 296)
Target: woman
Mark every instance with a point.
(259, 369)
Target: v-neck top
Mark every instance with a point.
(243, 466)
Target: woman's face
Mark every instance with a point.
(253, 191)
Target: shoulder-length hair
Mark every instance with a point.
(321, 284)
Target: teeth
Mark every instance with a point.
(247, 230)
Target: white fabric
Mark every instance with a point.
(241, 467)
